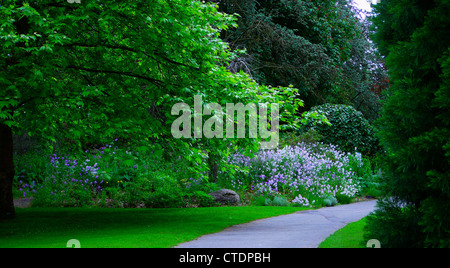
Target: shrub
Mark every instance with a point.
(348, 130)
(166, 192)
(200, 199)
(263, 201)
(107, 177)
(292, 139)
(330, 201)
(160, 199)
(343, 199)
(280, 201)
(394, 224)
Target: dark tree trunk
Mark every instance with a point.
(213, 163)
(7, 173)
(7, 170)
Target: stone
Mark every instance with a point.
(226, 197)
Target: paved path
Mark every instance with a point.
(305, 229)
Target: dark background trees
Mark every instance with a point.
(320, 47)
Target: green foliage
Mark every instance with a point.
(201, 199)
(262, 201)
(277, 201)
(81, 75)
(292, 138)
(293, 42)
(108, 177)
(167, 193)
(115, 68)
(394, 224)
(321, 47)
(330, 201)
(343, 199)
(349, 129)
(371, 186)
(280, 201)
(414, 128)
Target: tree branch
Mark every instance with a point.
(134, 51)
(151, 80)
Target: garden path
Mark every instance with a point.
(304, 229)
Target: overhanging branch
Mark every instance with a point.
(151, 80)
(121, 47)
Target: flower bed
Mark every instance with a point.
(305, 174)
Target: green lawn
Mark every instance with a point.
(351, 236)
(123, 228)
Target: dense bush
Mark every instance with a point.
(394, 224)
(330, 201)
(349, 129)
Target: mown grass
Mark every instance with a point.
(123, 228)
(351, 236)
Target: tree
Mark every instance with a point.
(364, 73)
(414, 127)
(101, 70)
(320, 47)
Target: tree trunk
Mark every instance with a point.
(7, 173)
(213, 163)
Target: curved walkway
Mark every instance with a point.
(304, 229)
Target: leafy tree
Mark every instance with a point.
(113, 69)
(415, 127)
(364, 73)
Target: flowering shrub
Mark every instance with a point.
(305, 173)
(68, 182)
(108, 177)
